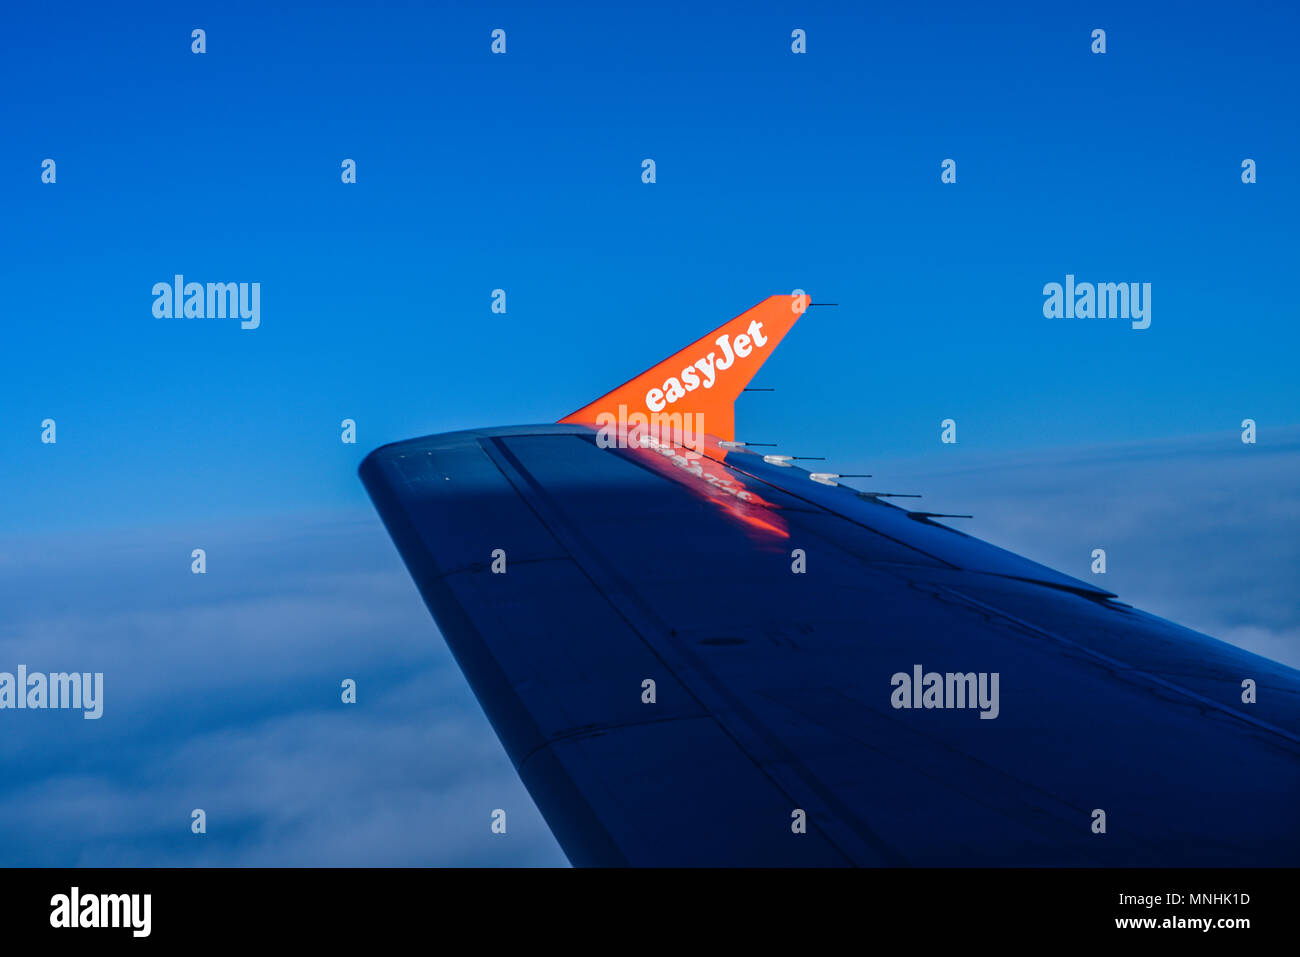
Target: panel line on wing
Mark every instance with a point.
(1121, 668)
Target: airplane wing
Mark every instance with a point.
(697, 654)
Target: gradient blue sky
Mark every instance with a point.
(522, 171)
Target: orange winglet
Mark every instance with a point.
(701, 381)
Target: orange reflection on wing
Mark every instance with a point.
(715, 482)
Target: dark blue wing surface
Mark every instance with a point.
(774, 690)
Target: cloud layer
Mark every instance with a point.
(222, 692)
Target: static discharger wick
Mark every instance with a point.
(785, 460)
(830, 478)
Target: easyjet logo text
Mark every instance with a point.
(703, 373)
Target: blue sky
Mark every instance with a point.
(775, 171)
(522, 172)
